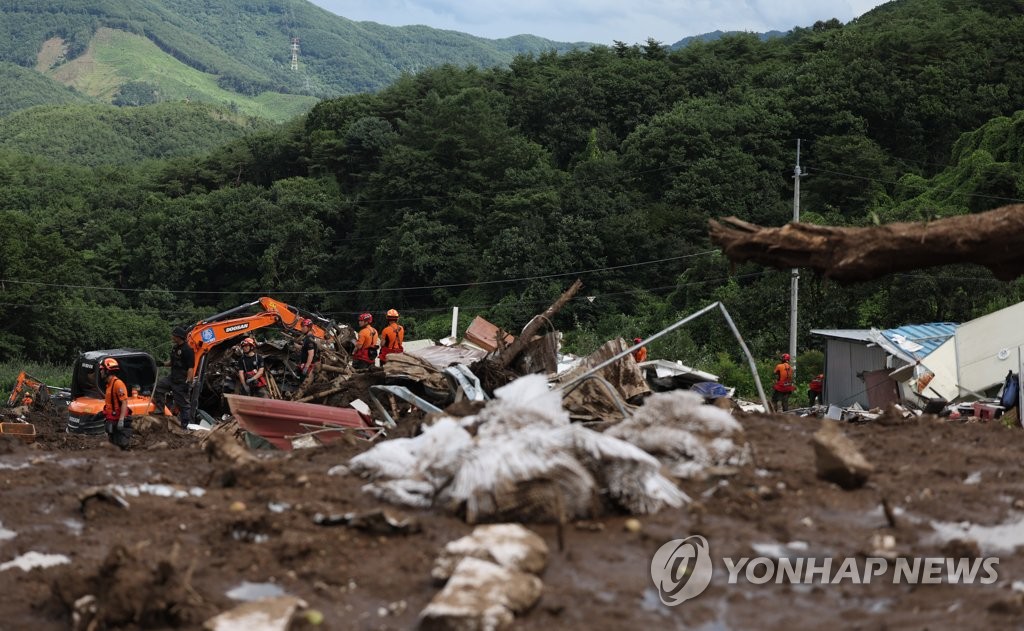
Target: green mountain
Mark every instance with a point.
(191, 48)
(22, 88)
(92, 135)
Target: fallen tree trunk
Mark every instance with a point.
(507, 355)
(993, 239)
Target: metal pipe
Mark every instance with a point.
(746, 351)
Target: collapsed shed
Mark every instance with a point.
(859, 363)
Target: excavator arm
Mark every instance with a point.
(215, 330)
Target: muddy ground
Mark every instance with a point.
(167, 562)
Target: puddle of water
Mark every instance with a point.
(31, 560)
(249, 592)
(1005, 537)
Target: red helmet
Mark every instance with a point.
(249, 341)
(392, 314)
(785, 357)
(365, 317)
(637, 340)
(306, 322)
(110, 364)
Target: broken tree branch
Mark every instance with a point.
(507, 355)
(993, 239)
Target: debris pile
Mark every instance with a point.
(519, 458)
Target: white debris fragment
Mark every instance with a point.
(270, 614)
(509, 545)
(32, 560)
(481, 595)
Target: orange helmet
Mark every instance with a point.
(392, 314)
(365, 317)
(306, 322)
(785, 357)
(110, 364)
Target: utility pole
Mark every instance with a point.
(794, 281)
(295, 53)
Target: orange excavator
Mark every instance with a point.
(212, 332)
(139, 369)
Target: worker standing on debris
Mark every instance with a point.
(310, 352)
(783, 386)
(814, 390)
(115, 405)
(640, 354)
(366, 344)
(392, 337)
(251, 377)
(180, 381)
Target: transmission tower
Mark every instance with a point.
(295, 53)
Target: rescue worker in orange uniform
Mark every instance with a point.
(310, 350)
(391, 337)
(783, 386)
(366, 344)
(251, 377)
(115, 405)
(814, 390)
(640, 354)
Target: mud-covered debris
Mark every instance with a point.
(509, 545)
(480, 595)
(133, 588)
(526, 462)
(686, 435)
(838, 459)
(269, 614)
(101, 494)
(383, 521)
(221, 444)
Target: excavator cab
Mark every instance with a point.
(138, 371)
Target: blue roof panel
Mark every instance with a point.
(929, 336)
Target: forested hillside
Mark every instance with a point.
(92, 135)
(23, 88)
(246, 45)
(493, 189)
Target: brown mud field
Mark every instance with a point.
(196, 527)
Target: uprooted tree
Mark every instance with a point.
(993, 239)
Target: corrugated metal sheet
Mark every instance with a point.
(846, 361)
(928, 336)
(859, 335)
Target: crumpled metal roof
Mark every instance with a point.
(919, 340)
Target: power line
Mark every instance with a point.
(322, 292)
(918, 186)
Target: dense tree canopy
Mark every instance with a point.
(492, 189)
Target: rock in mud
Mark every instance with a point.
(838, 459)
